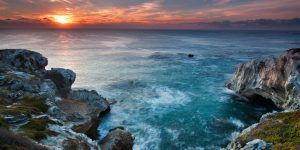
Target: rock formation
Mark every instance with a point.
(117, 139)
(39, 105)
(276, 79)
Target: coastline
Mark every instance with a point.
(32, 96)
(39, 106)
(270, 81)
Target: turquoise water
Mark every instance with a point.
(165, 98)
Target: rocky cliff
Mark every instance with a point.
(40, 110)
(276, 80)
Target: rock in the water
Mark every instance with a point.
(117, 139)
(23, 59)
(276, 79)
(63, 79)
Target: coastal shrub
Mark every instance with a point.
(3, 124)
(281, 129)
(35, 102)
(10, 141)
(37, 129)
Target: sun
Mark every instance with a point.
(62, 19)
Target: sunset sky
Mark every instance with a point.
(154, 13)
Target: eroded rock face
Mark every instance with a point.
(96, 106)
(63, 79)
(94, 100)
(23, 59)
(276, 79)
(117, 139)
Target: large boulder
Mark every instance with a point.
(117, 139)
(23, 59)
(276, 79)
(63, 79)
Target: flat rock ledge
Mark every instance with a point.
(40, 110)
(273, 80)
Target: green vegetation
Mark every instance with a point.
(3, 124)
(35, 102)
(282, 130)
(27, 106)
(37, 129)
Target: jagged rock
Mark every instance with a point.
(48, 88)
(96, 106)
(23, 59)
(63, 79)
(16, 84)
(276, 79)
(257, 144)
(117, 139)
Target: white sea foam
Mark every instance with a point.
(238, 123)
(167, 96)
(174, 133)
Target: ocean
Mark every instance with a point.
(165, 97)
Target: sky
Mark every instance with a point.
(149, 13)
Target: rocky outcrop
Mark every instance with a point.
(276, 79)
(23, 59)
(63, 79)
(117, 139)
(40, 105)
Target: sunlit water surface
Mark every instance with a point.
(167, 100)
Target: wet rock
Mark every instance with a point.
(117, 139)
(63, 79)
(276, 79)
(23, 59)
(191, 55)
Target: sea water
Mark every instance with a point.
(165, 98)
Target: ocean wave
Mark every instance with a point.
(236, 122)
(166, 96)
